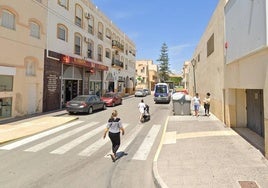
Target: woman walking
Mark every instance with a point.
(114, 126)
(207, 104)
(196, 102)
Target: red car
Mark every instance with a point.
(112, 99)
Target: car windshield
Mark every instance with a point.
(108, 95)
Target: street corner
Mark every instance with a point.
(12, 132)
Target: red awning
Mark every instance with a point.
(81, 62)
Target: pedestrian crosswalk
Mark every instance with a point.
(72, 135)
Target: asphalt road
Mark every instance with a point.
(76, 156)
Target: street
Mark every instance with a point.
(76, 155)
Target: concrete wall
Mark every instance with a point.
(210, 69)
(245, 27)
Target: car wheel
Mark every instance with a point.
(90, 110)
(70, 113)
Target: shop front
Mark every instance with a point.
(66, 77)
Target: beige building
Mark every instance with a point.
(23, 41)
(55, 50)
(146, 74)
(230, 62)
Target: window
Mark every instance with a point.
(108, 53)
(100, 31)
(34, 30)
(8, 20)
(5, 107)
(99, 53)
(90, 50)
(108, 33)
(91, 25)
(62, 32)
(77, 44)
(78, 15)
(30, 68)
(64, 3)
(210, 45)
(6, 83)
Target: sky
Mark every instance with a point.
(150, 23)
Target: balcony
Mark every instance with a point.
(117, 45)
(117, 64)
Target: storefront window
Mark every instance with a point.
(6, 83)
(5, 107)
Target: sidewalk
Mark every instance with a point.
(18, 127)
(202, 152)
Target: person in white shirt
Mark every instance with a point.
(196, 102)
(141, 107)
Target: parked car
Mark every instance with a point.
(140, 93)
(112, 99)
(147, 91)
(85, 103)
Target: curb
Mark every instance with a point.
(157, 179)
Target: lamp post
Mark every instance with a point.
(193, 62)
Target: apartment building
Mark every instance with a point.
(230, 62)
(23, 41)
(86, 53)
(146, 74)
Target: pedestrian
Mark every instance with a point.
(207, 104)
(141, 107)
(196, 102)
(114, 126)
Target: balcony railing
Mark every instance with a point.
(118, 64)
(117, 45)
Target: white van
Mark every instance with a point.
(161, 93)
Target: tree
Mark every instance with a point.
(164, 64)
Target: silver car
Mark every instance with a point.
(140, 93)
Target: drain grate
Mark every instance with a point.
(248, 184)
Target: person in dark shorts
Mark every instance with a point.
(114, 126)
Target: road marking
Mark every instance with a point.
(63, 149)
(147, 144)
(206, 134)
(96, 146)
(127, 141)
(54, 140)
(38, 136)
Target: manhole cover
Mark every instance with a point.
(248, 184)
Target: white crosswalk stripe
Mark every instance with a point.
(38, 136)
(141, 154)
(79, 140)
(126, 142)
(147, 144)
(96, 146)
(54, 140)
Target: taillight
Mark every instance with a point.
(68, 103)
(83, 104)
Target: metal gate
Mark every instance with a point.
(255, 116)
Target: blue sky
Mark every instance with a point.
(150, 23)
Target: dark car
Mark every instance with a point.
(147, 91)
(85, 103)
(112, 99)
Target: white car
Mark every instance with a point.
(140, 93)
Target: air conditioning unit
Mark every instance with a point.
(87, 15)
(86, 39)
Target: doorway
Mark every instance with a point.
(255, 116)
(72, 88)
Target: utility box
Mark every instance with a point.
(181, 104)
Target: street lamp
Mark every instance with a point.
(193, 62)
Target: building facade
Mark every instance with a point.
(23, 41)
(56, 50)
(86, 53)
(146, 74)
(232, 54)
